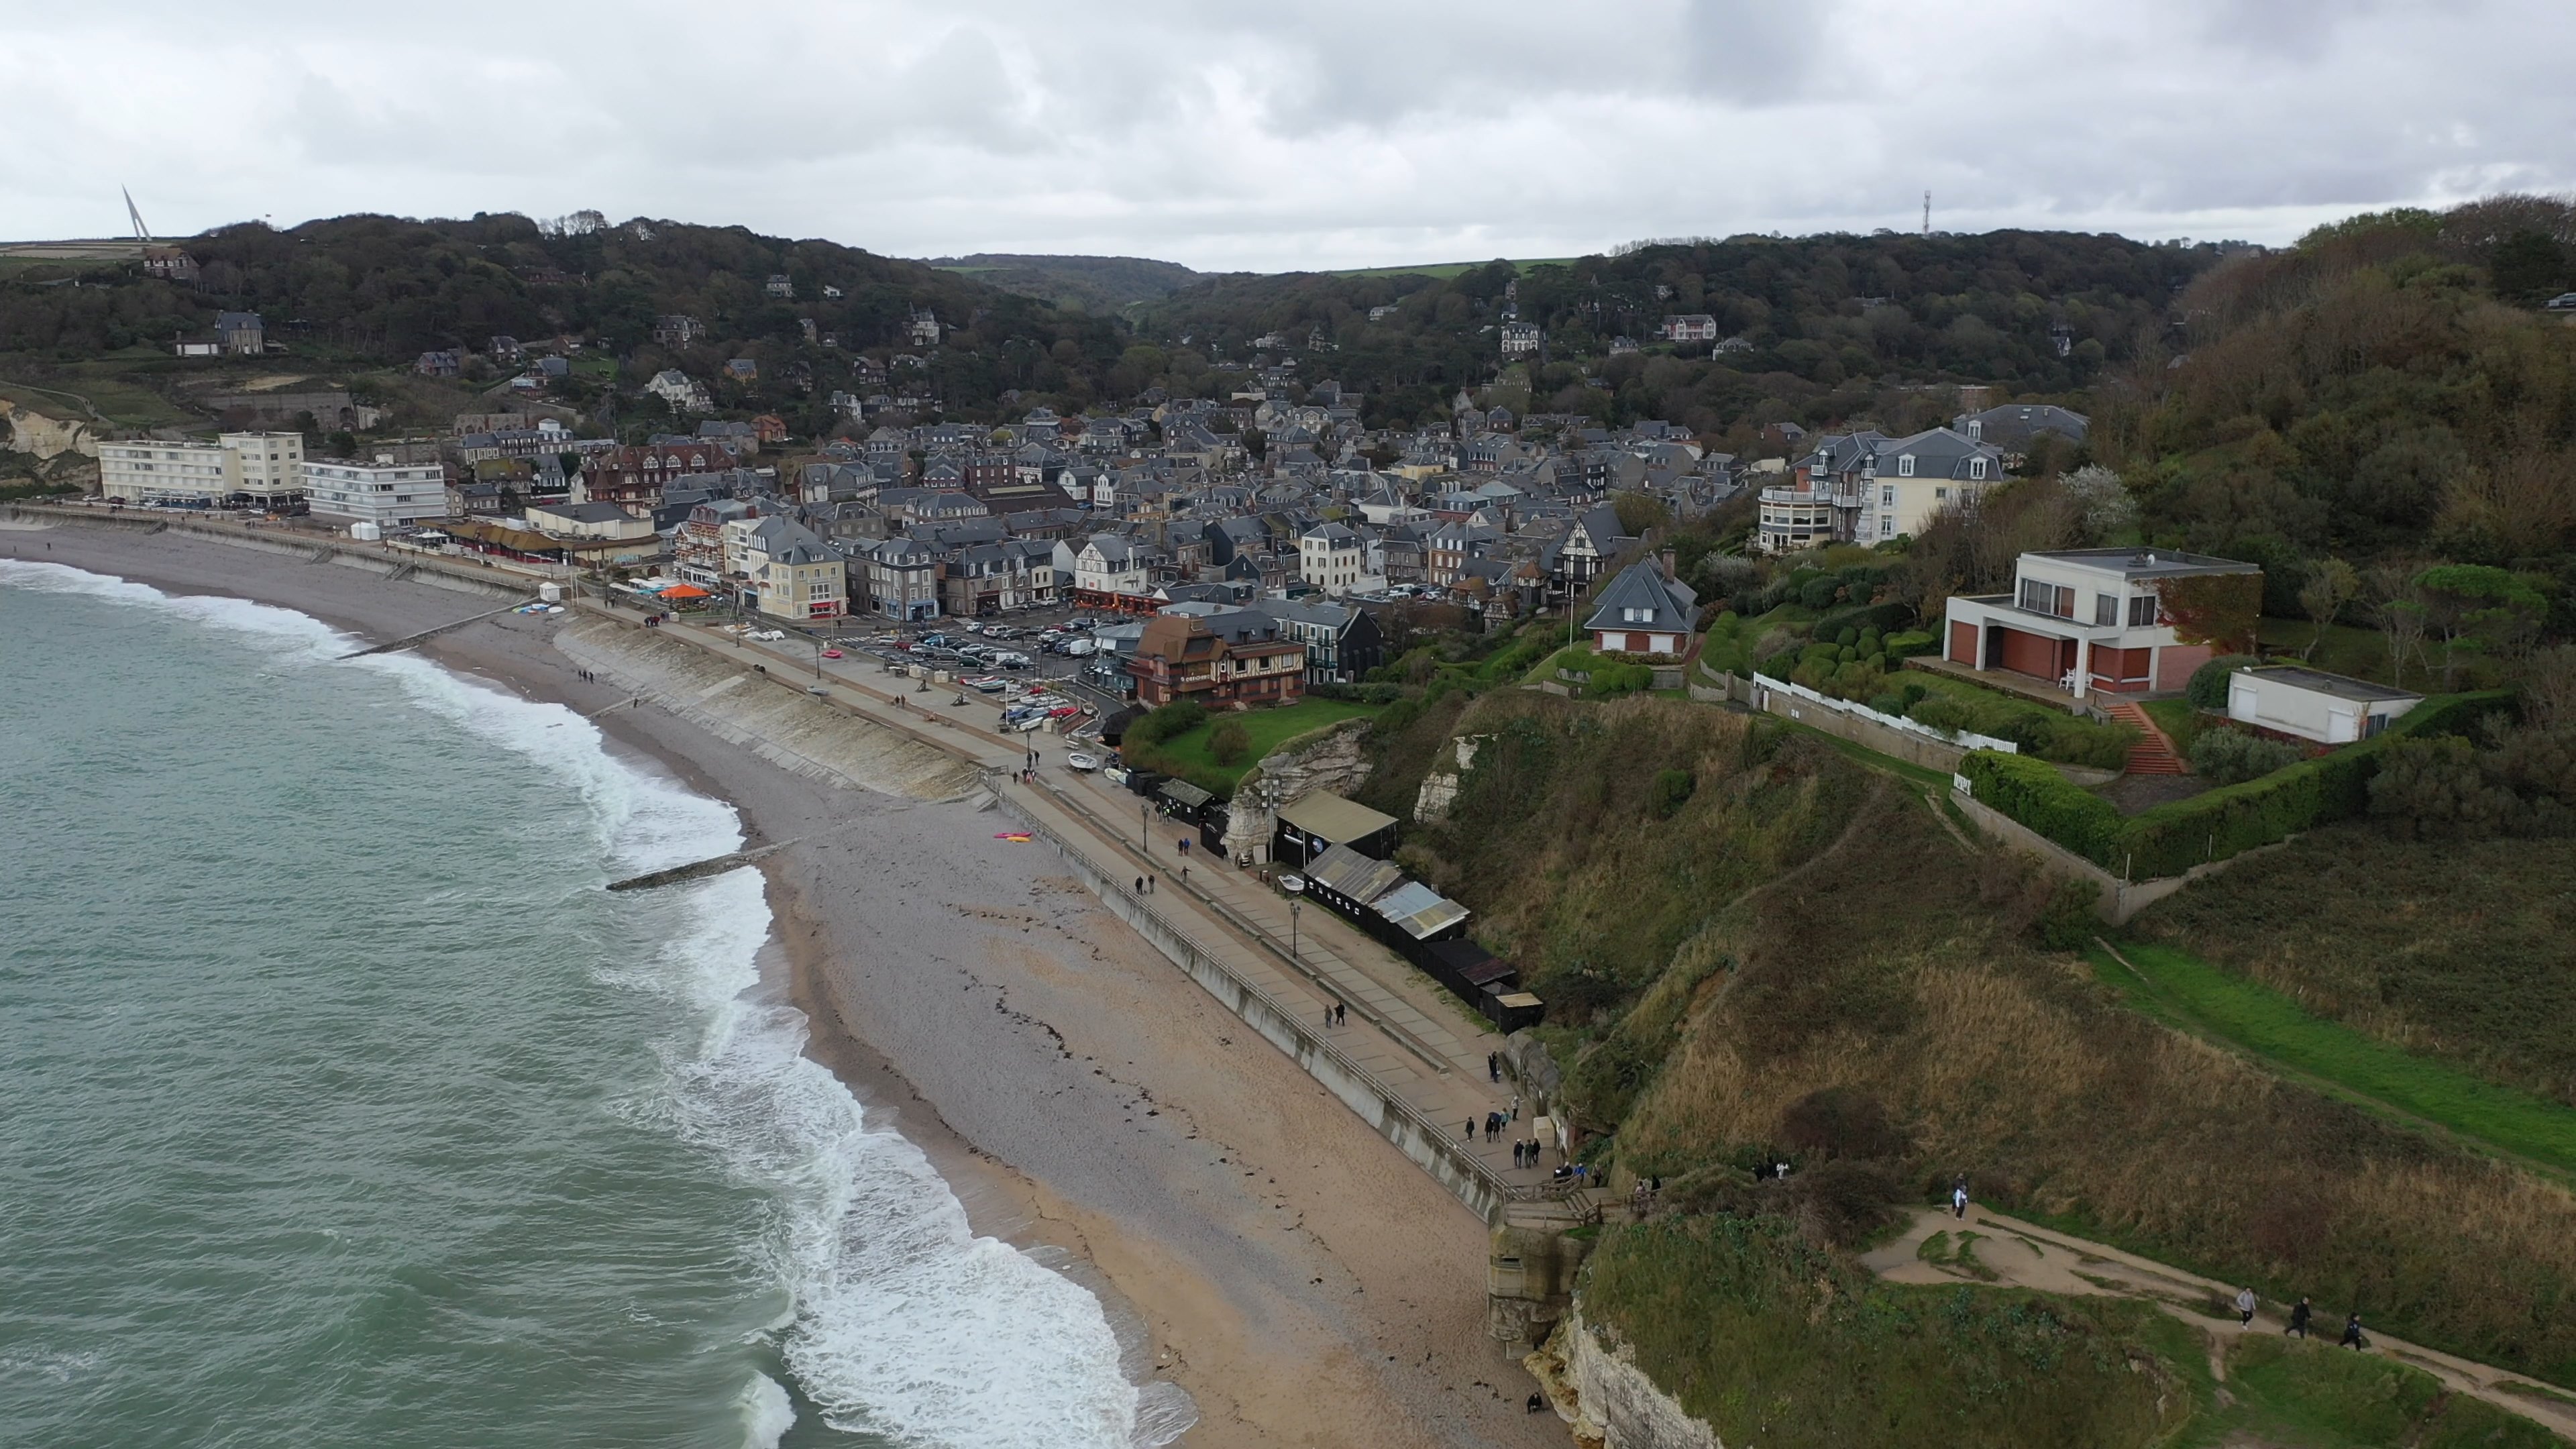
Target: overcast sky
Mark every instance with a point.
(1321, 133)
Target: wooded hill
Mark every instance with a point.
(1095, 284)
(378, 287)
(1826, 318)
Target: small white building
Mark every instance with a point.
(384, 493)
(2312, 704)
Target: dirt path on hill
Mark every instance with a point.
(2008, 1252)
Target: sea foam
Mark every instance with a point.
(903, 1322)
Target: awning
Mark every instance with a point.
(686, 591)
(1327, 816)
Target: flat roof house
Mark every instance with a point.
(2312, 704)
(2085, 619)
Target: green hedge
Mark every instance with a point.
(2032, 792)
(2215, 824)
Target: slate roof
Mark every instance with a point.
(1670, 607)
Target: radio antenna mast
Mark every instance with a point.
(141, 232)
(1927, 213)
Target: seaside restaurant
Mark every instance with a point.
(1318, 820)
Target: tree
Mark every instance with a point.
(1229, 742)
(2215, 609)
(2104, 498)
(2479, 606)
(2331, 585)
(2401, 616)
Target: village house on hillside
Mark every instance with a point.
(2085, 619)
(1641, 611)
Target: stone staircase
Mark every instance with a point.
(2153, 754)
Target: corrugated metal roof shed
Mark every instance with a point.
(1418, 910)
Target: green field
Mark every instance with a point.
(1269, 729)
(2191, 993)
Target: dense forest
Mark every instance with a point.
(1825, 321)
(389, 288)
(1095, 284)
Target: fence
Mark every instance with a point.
(1429, 1144)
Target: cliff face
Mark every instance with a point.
(28, 431)
(1332, 762)
(1598, 1385)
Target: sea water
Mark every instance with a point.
(339, 1104)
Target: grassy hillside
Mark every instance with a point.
(1798, 959)
(2456, 950)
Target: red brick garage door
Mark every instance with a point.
(2031, 654)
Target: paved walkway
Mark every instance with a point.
(1401, 1026)
(2008, 1250)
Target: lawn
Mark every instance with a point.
(1269, 729)
(2362, 653)
(2190, 992)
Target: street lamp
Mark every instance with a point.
(1145, 827)
(1296, 901)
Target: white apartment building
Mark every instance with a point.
(257, 469)
(383, 492)
(1332, 558)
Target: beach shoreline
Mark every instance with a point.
(1268, 1253)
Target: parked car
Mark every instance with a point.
(831, 653)
(767, 636)
(985, 684)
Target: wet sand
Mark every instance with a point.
(1292, 1271)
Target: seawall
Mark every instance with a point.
(435, 570)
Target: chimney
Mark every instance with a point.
(1664, 562)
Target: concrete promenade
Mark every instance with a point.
(1402, 1030)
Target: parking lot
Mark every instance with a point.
(945, 645)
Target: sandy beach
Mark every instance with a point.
(1304, 1282)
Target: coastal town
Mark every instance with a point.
(1793, 778)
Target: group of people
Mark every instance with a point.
(2300, 1317)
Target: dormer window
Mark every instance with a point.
(1976, 467)
(1905, 465)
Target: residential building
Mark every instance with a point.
(634, 477)
(1519, 339)
(1343, 642)
(793, 574)
(902, 578)
(924, 328)
(2014, 425)
(1691, 327)
(676, 330)
(1641, 611)
(1225, 659)
(997, 578)
(382, 493)
(1332, 558)
(683, 393)
(259, 470)
(170, 264)
(2085, 619)
(241, 333)
(697, 547)
(779, 286)
(1111, 564)
(445, 362)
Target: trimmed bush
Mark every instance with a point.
(1910, 644)
(2208, 687)
(1230, 742)
(2033, 793)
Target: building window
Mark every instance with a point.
(2037, 597)
(1887, 496)
(1940, 494)
(2142, 611)
(1976, 467)
(1905, 465)
(2106, 610)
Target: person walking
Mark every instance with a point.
(2245, 1308)
(1468, 1131)
(1341, 1013)
(1149, 885)
(1140, 885)
(1959, 1198)
(2352, 1338)
(2299, 1317)
(1493, 1067)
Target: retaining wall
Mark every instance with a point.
(2116, 899)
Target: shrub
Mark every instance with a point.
(2033, 793)
(2208, 687)
(1818, 593)
(1672, 790)
(1229, 743)
(1940, 712)
(1847, 638)
(1907, 645)
(1168, 721)
(2231, 757)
